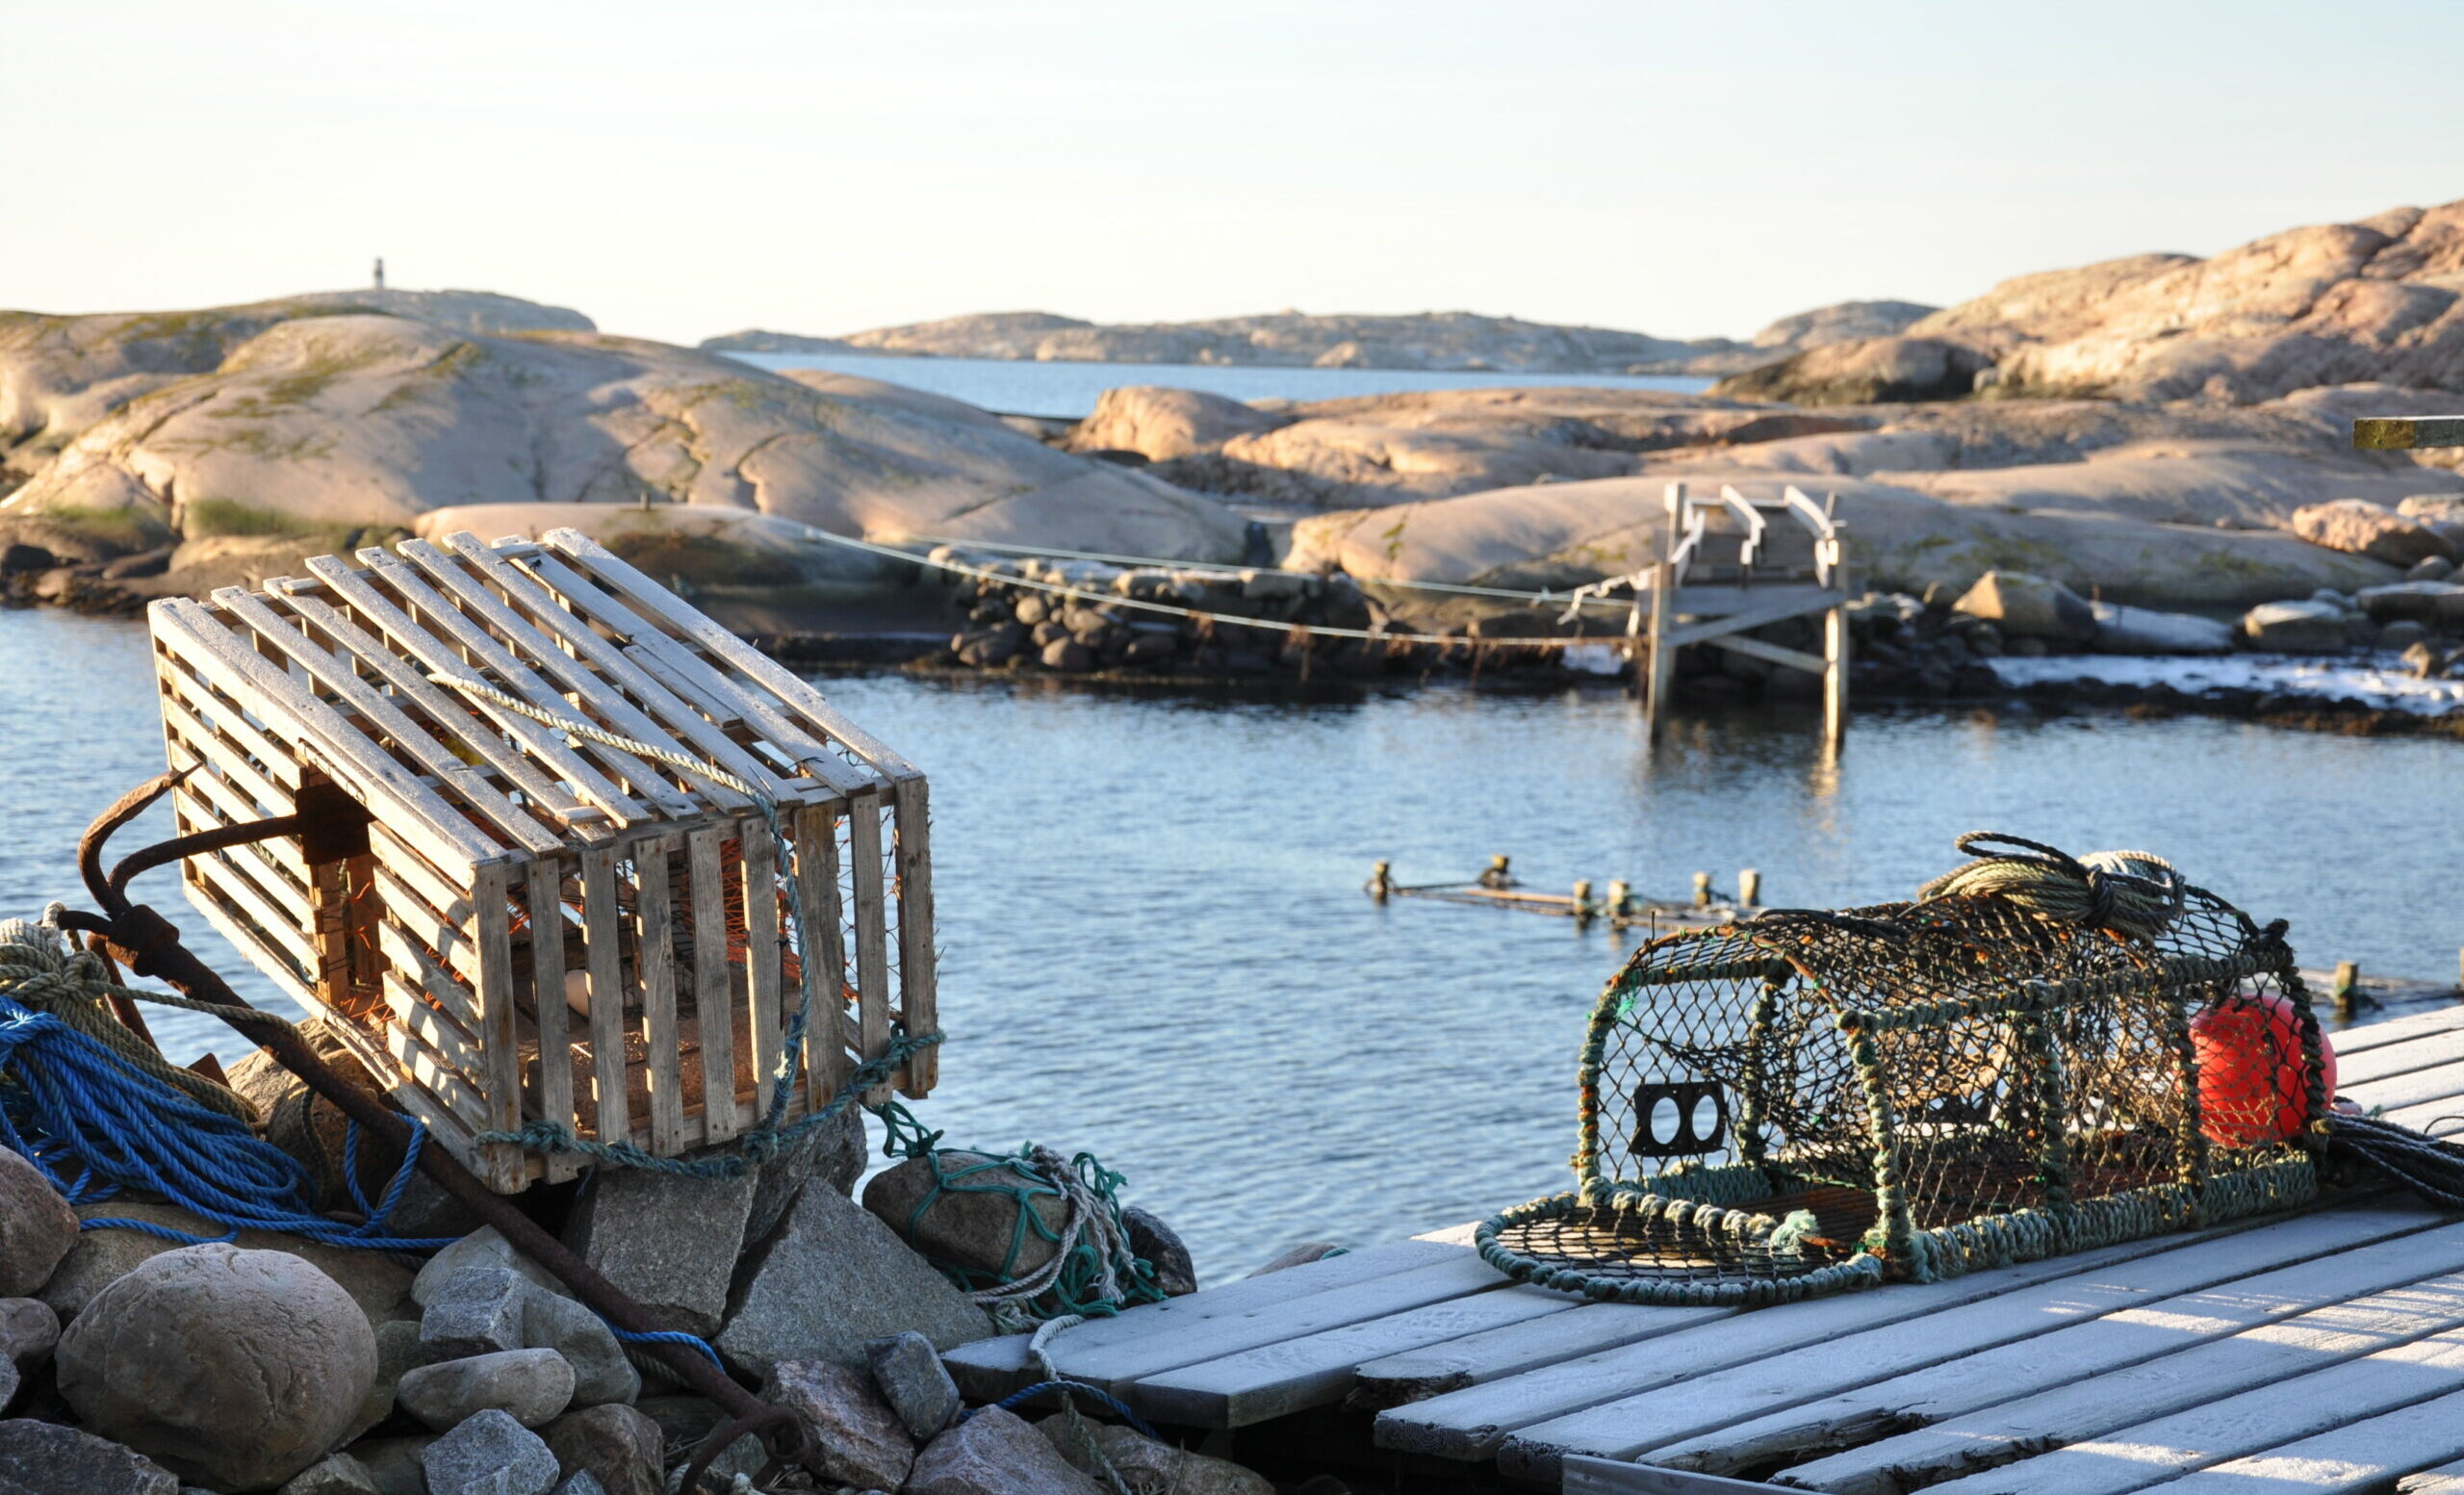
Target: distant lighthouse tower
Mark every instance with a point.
(380, 273)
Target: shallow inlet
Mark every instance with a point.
(1155, 946)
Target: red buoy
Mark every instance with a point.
(2251, 1081)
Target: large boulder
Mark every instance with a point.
(2358, 527)
(829, 1280)
(380, 1285)
(2146, 630)
(974, 1226)
(323, 427)
(861, 1440)
(2029, 607)
(235, 1369)
(2296, 628)
(36, 1227)
(1160, 423)
(2438, 604)
(1875, 370)
(996, 1453)
(668, 1241)
(1562, 534)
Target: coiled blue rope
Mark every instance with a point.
(94, 1124)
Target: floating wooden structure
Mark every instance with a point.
(509, 923)
(2320, 1351)
(1619, 907)
(1731, 564)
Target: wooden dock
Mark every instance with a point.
(2314, 1353)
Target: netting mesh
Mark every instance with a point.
(2017, 1066)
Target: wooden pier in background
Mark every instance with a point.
(1731, 564)
(2320, 1353)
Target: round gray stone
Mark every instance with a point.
(233, 1369)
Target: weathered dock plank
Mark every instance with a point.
(2281, 1412)
(2349, 1461)
(1276, 1379)
(2390, 1246)
(990, 1369)
(1630, 1425)
(1472, 1424)
(1475, 1360)
(2103, 1419)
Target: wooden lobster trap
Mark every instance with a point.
(512, 922)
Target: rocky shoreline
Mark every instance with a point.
(133, 1363)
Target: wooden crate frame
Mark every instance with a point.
(405, 916)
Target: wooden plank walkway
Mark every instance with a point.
(2313, 1353)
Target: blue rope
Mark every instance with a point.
(666, 1337)
(1111, 1402)
(94, 1124)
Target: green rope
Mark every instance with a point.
(2133, 893)
(1088, 1267)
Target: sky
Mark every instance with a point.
(679, 172)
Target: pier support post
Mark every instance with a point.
(1835, 650)
(1701, 889)
(1381, 882)
(1748, 889)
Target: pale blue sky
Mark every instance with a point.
(683, 169)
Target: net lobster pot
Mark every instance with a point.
(1810, 1101)
(512, 923)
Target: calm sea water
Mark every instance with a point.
(1156, 947)
(1069, 389)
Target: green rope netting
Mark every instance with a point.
(1085, 1265)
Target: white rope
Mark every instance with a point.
(1374, 635)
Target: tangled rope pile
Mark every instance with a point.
(1091, 1268)
(2135, 893)
(99, 1112)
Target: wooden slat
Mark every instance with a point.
(714, 990)
(539, 740)
(432, 1027)
(2358, 1459)
(919, 973)
(695, 680)
(2386, 1061)
(1476, 1360)
(545, 884)
(213, 802)
(818, 909)
(229, 759)
(659, 713)
(2286, 1411)
(2201, 1372)
(598, 923)
(456, 713)
(872, 933)
(497, 1030)
(2398, 1030)
(432, 755)
(761, 954)
(2445, 1479)
(2379, 1250)
(436, 1076)
(446, 932)
(466, 632)
(1294, 1375)
(656, 954)
(391, 792)
(1475, 1423)
(1120, 1367)
(990, 1369)
(260, 954)
(1638, 1425)
(286, 926)
(2408, 1089)
(221, 718)
(441, 989)
(620, 576)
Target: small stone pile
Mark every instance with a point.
(132, 1365)
(1016, 627)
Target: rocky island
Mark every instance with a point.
(1462, 342)
(2159, 432)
